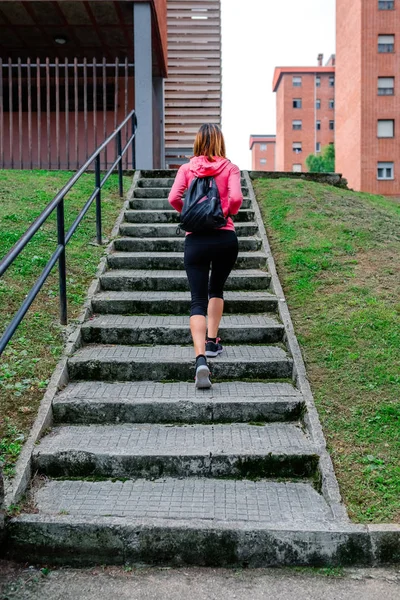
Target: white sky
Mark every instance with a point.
(257, 36)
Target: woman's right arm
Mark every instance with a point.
(235, 191)
(178, 189)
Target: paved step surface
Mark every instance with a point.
(130, 244)
(177, 303)
(176, 280)
(257, 502)
(167, 363)
(235, 329)
(171, 216)
(163, 204)
(143, 230)
(152, 402)
(149, 450)
(174, 260)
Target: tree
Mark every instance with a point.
(324, 162)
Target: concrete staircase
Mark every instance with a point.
(140, 466)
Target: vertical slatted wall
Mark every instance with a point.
(53, 115)
(193, 87)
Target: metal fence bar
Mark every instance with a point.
(76, 112)
(39, 113)
(67, 112)
(94, 103)
(10, 113)
(85, 106)
(57, 81)
(20, 113)
(29, 96)
(48, 116)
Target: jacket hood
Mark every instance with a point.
(202, 167)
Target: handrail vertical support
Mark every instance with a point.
(119, 152)
(134, 123)
(62, 272)
(98, 200)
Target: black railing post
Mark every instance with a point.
(98, 199)
(62, 272)
(133, 142)
(119, 152)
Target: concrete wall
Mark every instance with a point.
(335, 179)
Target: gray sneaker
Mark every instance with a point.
(202, 380)
(213, 348)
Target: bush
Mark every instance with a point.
(324, 162)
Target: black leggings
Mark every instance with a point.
(218, 249)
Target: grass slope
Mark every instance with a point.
(28, 362)
(338, 256)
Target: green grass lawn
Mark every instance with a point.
(338, 258)
(27, 364)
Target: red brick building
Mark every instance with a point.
(305, 100)
(368, 95)
(262, 152)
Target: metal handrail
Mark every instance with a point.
(62, 237)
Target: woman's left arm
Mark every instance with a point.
(178, 189)
(235, 191)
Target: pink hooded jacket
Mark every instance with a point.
(227, 178)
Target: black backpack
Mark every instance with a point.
(202, 210)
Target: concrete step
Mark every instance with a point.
(177, 303)
(165, 182)
(214, 500)
(176, 363)
(163, 204)
(120, 329)
(171, 216)
(129, 244)
(174, 260)
(143, 230)
(238, 451)
(152, 402)
(154, 192)
(173, 281)
(155, 174)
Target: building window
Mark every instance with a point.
(263, 147)
(296, 168)
(331, 125)
(296, 125)
(318, 104)
(386, 128)
(296, 81)
(296, 102)
(263, 161)
(318, 125)
(385, 43)
(297, 147)
(318, 81)
(385, 170)
(385, 4)
(318, 147)
(385, 86)
(331, 103)
(331, 81)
